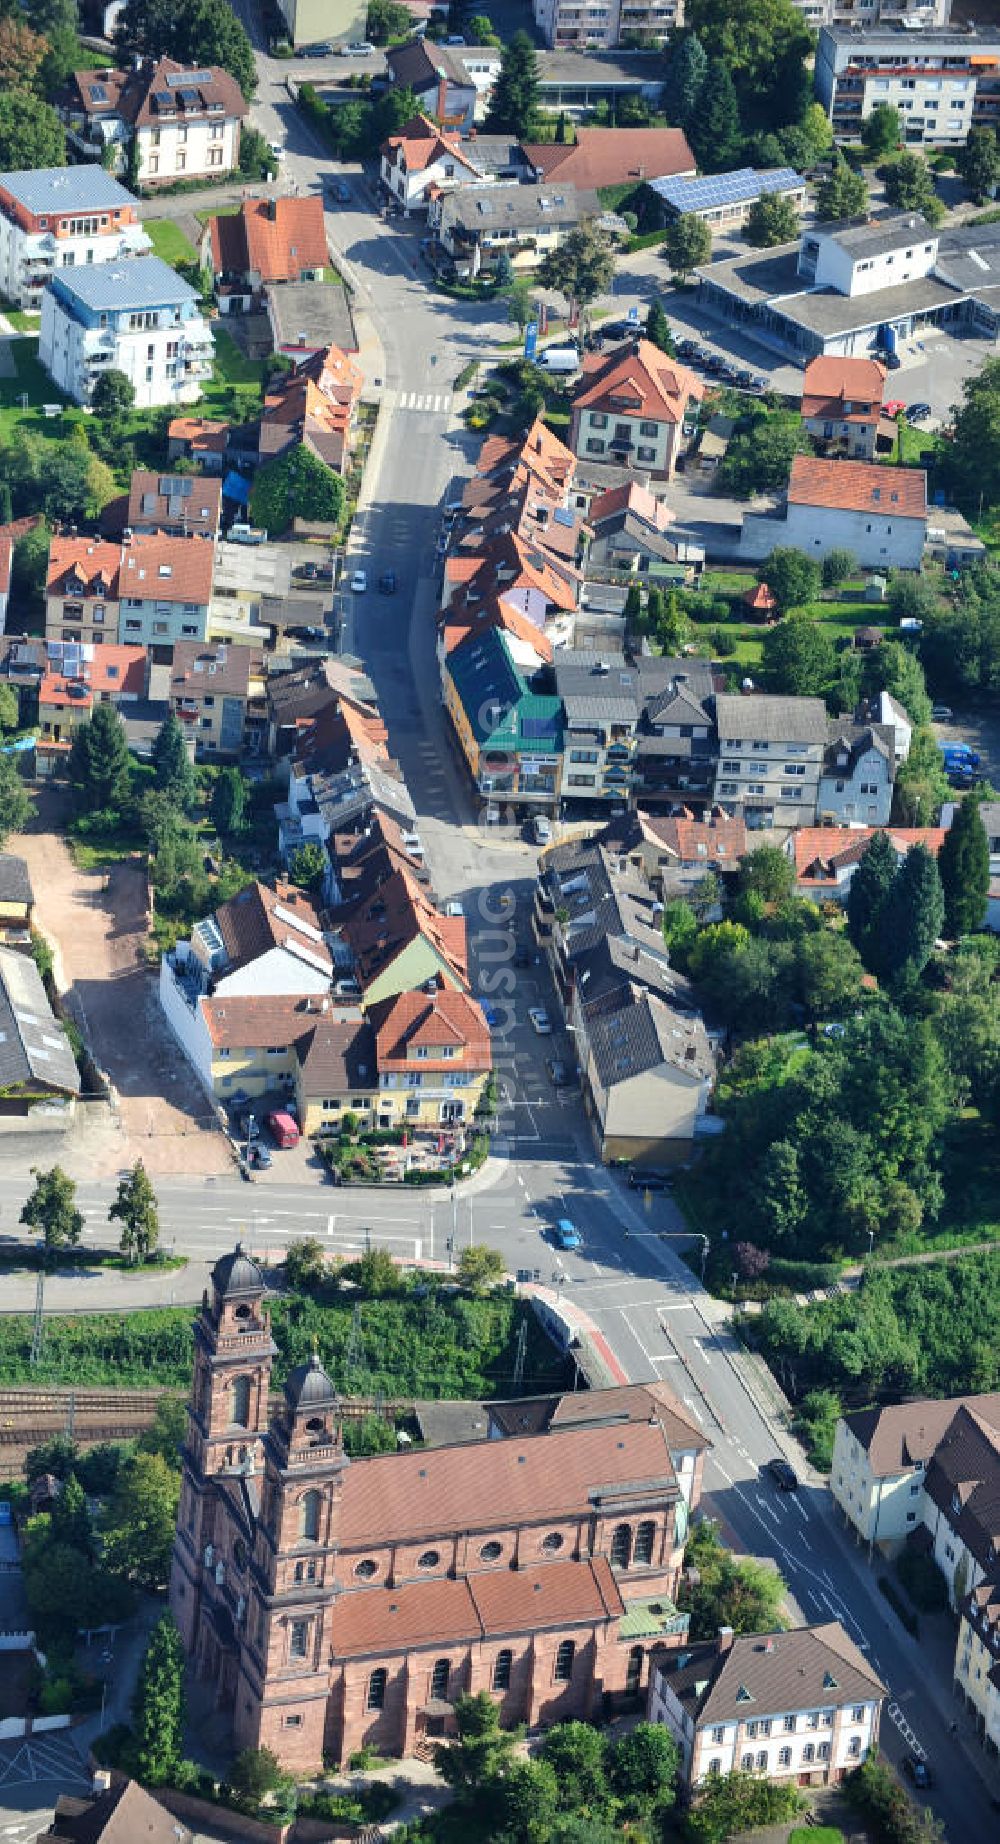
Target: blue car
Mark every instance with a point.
(490, 1013)
(565, 1235)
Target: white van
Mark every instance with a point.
(241, 533)
(559, 358)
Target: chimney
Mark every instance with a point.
(101, 1781)
(725, 1639)
(271, 209)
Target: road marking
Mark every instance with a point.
(649, 1359)
(330, 1221)
(769, 1509)
(693, 1406)
(803, 1513)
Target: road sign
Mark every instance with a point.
(633, 316)
(531, 339)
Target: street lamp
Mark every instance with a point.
(704, 1257)
(871, 1242)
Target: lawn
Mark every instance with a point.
(218, 211)
(169, 241)
(21, 320)
(236, 379)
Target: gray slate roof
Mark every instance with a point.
(15, 880)
(773, 1674)
(55, 189)
(766, 718)
(482, 209)
(856, 740)
(877, 238)
(643, 1035)
(138, 282)
(600, 901)
(33, 1045)
(596, 687)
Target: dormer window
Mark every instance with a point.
(956, 1505)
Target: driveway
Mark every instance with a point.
(96, 924)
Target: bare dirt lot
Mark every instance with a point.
(96, 924)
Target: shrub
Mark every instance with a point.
(923, 1580)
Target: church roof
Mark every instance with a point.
(236, 1273)
(309, 1386)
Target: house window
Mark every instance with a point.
(714, 1769)
(309, 1517)
(718, 1736)
(854, 1748)
(649, 429)
(633, 1672)
(789, 1725)
(746, 1762)
(621, 1547)
(491, 1552)
(645, 454)
(784, 1757)
(298, 1638)
(553, 1541)
(762, 1760)
(501, 1669)
(439, 1679)
(564, 1662)
(377, 1682)
(594, 445)
(645, 1538)
(429, 1560)
(366, 1570)
(858, 1713)
(809, 1753)
(823, 1751)
(598, 421)
(292, 1722)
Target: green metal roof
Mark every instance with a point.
(650, 1619)
(485, 677)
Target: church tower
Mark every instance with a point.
(285, 1662)
(227, 1421)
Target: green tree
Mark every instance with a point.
(70, 1518)
(964, 869)
(514, 104)
(158, 1706)
(799, 657)
(166, 1433)
(842, 193)
(308, 867)
(175, 775)
(915, 912)
(16, 804)
(10, 709)
(673, 629)
(829, 974)
(766, 872)
(31, 134)
(909, 185)
(867, 898)
(519, 303)
(978, 163)
(836, 567)
(112, 396)
(378, 1274)
(576, 1752)
(525, 1801)
(687, 242)
(136, 1210)
(642, 1769)
(99, 762)
(791, 576)
(973, 461)
(229, 801)
(772, 219)
(882, 131)
(257, 1771)
(51, 1209)
(763, 45)
(758, 460)
(479, 30)
(738, 1802)
(480, 1268)
(305, 1264)
(582, 267)
(141, 1521)
(194, 32)
(256, 159)
(687, 69)
(296, 484)
(715, 132)
(387, 19)
(658, 330)
(483, 1750)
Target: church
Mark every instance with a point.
(335, 1602)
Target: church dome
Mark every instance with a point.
(310, 1387)
(236, 1274)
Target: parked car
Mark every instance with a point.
(541, 829)
(558, 1073)
(785, 1477)
(387, 583)
(941, 713)
(918, 412)
(258, 1156)
(250, 1126)
(642, 1180)
(306, 572)
(359, 49)
(359, 582)
(276, 150)
(341, 191)
(306, 633)
(490, 1013)
(918, 1771)
(688, 349)
(540, 1020)
(565, 1235)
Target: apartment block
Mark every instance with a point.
(137, 317)
(602, 25)
(942, 81)
(771, 752)
(62, 218)
(166, 588)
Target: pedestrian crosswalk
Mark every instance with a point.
(431, 402)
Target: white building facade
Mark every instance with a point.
(137, 317)
(770, 758)
(942, 82)
(62, 218)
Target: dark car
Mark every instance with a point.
(619, 329)
(918, 412)
(387, 583)
(324, 573)
(688, 349)
(918, 1771)
(306, 572)
(785, 1477)
(306, 633)
(258, 1156)
(640, 1180)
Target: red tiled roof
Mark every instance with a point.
(260, 918)
(637, 380)
(274, 238)
(829, 383)
(119, 671)
(420, 142)
(241, 1021)
(525, 1482)
(490, 1604)
(822, 850)
(760, 598)
(858, 486)
(132, 94)
(94, 562)
(200, 432)
(398, 913)
(431, 1022)
(716, 840)
(164, 569)
(611, 156)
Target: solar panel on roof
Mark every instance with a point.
(182, 77)
(189, 98)
(163, 99)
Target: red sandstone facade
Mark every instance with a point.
(337, 1602)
